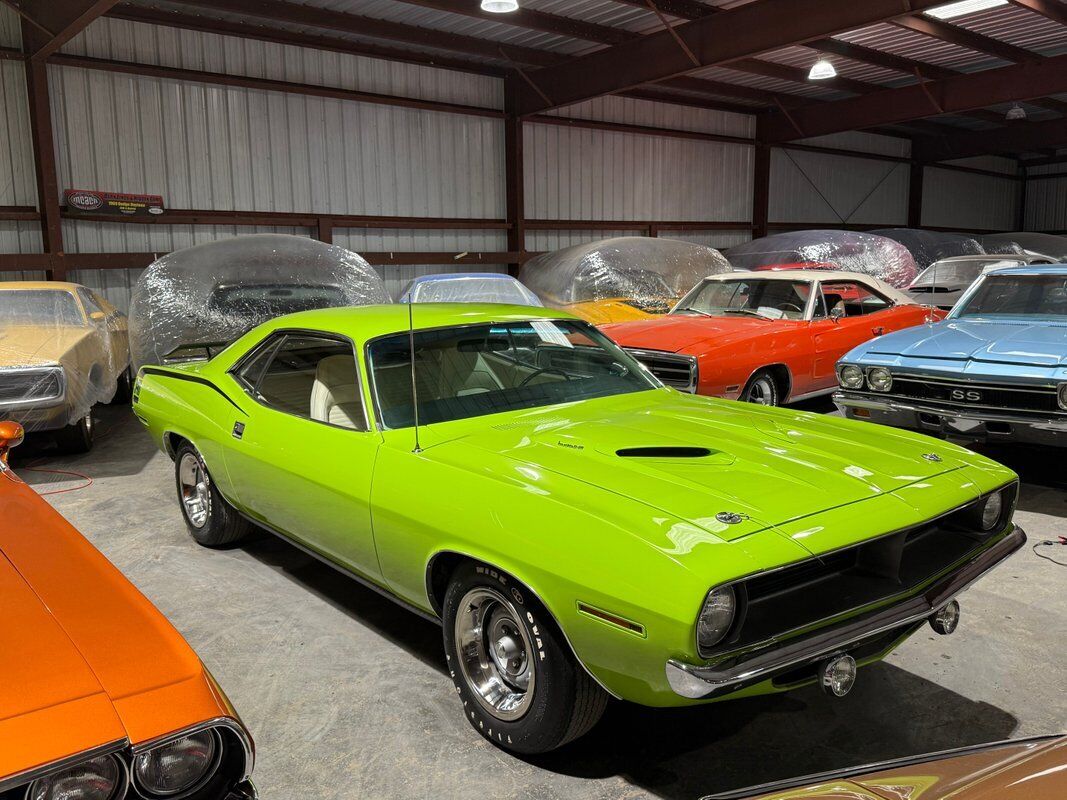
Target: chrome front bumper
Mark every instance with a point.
(706, 682)
(963, 423)
(245, 790)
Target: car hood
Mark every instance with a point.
(678, 332)
(93, 660)
(1013, 343)
(693, 458)
(30, 345)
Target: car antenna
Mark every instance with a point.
(414, 383)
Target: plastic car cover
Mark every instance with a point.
(468, 287)
(926, 247)
(995, 246)
(63, 349)
(1041, 244)
(877, 256)
(647, 273)
(214, 292)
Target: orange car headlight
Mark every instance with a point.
(178, 766)
(101, 778)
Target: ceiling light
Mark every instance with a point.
(821, 70)
(504, 6)
(952, 10)
(1016, 112)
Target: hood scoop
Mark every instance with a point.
(665, 452)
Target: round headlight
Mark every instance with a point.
(178, 765)
(994, 504)
(879, 379)
(850, 377)
(99, 779)
(716, 616)
(1061, 396)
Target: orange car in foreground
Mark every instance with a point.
(1020, 769)
(100, 698)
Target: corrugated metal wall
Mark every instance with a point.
(965, 200)
(17, 182)
(1046, 200)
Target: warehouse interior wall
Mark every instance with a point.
(231, 148)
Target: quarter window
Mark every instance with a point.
(854, 299)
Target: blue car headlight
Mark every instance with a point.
(1061, 396)
(850, 376)
(879, 379)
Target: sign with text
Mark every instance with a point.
(86, 201)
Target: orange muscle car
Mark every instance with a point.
(767, 336)
(100, 698)
(1022, 769)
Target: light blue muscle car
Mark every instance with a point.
(994, 370)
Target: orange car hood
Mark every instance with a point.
(93, 661)
(678, 332)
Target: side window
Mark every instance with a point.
(854, 299)
(312, 377)
(90, 305)
(248, 375)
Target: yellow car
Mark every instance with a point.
(63, 349)
(618, 309)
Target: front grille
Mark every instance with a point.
(30, 385)
(677, 371)
(977, 395)
(817, 591)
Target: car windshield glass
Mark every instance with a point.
(39, 307)
(263, 301)
(951, 273)
(770, 299)
(474, 370)
(1018, 295)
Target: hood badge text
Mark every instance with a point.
(730, 518)
(932, 457)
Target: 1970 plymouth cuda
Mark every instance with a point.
(767, 337)
(63, 349)
(579, 529)
(100, 698)
(994, 370)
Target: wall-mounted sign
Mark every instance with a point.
(85, 201)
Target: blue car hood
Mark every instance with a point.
(1018, 342)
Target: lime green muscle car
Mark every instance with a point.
(579, 530)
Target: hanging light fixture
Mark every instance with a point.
(500, 6)
(821, 70)
(1016, 112)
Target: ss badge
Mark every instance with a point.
(969, 395)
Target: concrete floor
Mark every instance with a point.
(347, 696)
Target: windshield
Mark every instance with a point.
(954, 273)
(1017, 296)
(263, 301)
(474, 370)
(39, 307)
(770, 299)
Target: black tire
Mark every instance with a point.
(220, 524)
(761, 389)
(77, 438)
(564, 702)
(123, 389)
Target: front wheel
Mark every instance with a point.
(77, 438)
(210, 519)
(520, 686)
(761, 389)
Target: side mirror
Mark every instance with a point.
(97, 316)
(836, 313)
(11, 435)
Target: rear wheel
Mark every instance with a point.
(761, 389)
(77, 438)
(210, 519)
(519, 684)
(123, 388)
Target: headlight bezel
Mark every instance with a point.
(857, 370)
(870, 382)
(1061, 396)
(122, 782)
(218, 752)
(970, 518)
(736, 591)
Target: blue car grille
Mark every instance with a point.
(978, 396)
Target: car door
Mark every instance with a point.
(303, 460)
(850, 314)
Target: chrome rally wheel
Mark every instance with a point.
(495, 653)
(761, 390)
(194, 489)
(211, 521)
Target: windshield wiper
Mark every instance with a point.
(696, 311)
(745, 311)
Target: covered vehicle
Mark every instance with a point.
(102, 699)
(625, 278)
(926, 247)
(210, 294)
(767, 337)
(848, 251)
(580, 529)
(1021, 769)
(994, 370)
(63, 349)
(943, 283)
(468, 287)
(1044, 245)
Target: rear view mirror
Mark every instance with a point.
(97, 316)
(11, 435)
(490, 345)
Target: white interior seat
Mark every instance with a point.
(335, 395)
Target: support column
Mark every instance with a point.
(915, 195)
(761, 190)
(1020, 199)
(44, 159)
(513, 174)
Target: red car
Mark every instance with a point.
(769, 336)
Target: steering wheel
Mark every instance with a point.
(789, 307)
(535, 373)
